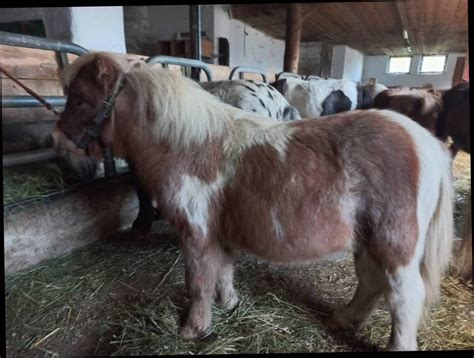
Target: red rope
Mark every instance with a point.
(31, 93)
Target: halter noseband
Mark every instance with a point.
(93, 131)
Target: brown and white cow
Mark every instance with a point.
(373, 182)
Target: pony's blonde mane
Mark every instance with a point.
(172, 106)
(177, 108)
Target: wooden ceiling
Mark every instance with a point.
(374, 28)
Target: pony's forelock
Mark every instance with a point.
(121, 63)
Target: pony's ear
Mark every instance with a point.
(104, 68)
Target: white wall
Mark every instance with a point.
(248, 47)
(376, 66)
(337, 62)
(353, 65)
(98, 28)
(95, 28)
(346, 63)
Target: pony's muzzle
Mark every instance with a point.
(63, 145)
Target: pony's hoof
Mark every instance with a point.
(141, 226)
(333, 325)
(191, 333)
(231, 303)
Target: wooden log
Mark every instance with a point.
(294, 26)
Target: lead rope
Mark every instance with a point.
(31, 93)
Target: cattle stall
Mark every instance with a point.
(80, 281)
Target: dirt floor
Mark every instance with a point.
(125, 296)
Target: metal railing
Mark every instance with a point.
(313, 78)
(242, 69)
(62, 47)
(180, 61)
(283, 75)
(30, 102)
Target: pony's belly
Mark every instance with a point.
(296, 243)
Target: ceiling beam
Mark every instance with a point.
(242, 12)
(405, 31)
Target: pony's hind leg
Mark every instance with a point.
(369, 290)
(406, 297)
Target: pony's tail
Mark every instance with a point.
(439, 239)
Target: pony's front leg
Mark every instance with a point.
(226, 295)
(202, 257)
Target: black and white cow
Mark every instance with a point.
(253, 96)
(327, 96)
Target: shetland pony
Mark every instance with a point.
(455, 121)
(422, 106)
(373, 182)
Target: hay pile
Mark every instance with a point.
(124, 296)
(37, 181)
(32, 181)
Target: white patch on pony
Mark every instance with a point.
(406, 301)
(348, 206)
(293, 179)
(279, 231)
(193, 198)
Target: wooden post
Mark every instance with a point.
(464, 260)
(195, 32)
(465, 74)
(326, 59)
(294, 24)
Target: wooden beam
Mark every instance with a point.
(292, 38)
(404, 25)
(243, 12)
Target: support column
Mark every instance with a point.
(195, 32)
(294, 24)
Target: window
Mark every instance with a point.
(399, 65)
(33, 27)
(432, 64)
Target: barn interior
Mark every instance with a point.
(80, 281)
